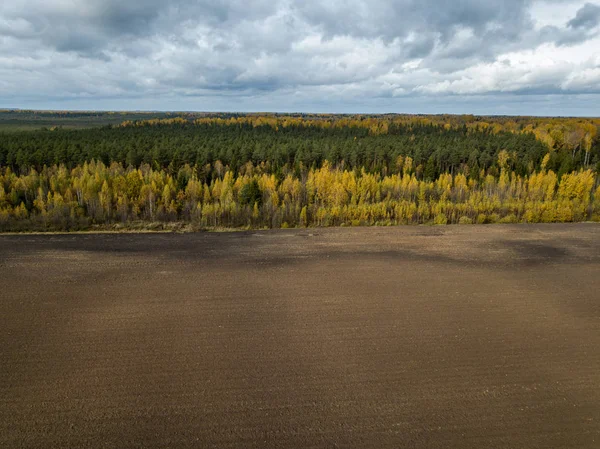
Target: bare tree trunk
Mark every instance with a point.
(587, 159)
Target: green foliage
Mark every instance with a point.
(251, 194)
(286, 149)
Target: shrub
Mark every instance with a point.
(510, 218)
(493, 218)
(440, 219)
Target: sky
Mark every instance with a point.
(508, 57)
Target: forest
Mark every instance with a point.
(277, 170)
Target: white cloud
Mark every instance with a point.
(327, 54)
(553, 12)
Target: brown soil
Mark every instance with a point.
(417, 337)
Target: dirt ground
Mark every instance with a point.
(416, 337)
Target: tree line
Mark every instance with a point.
(435, 149)
(60, 198)
(278, 171)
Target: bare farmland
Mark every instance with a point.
(433, 337)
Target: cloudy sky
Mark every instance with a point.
(537, 57)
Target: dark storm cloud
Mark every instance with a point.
(390, 19)
(89, 26)
(579, 29)
(95, 25)
(421, 47)
(587, 17)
